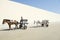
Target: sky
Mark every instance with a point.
(49, 5)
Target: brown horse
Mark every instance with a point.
(9, 22)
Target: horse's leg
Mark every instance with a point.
(16, 26)
(10, 27)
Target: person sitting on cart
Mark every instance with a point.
(21, 23)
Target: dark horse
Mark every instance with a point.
(9, 22)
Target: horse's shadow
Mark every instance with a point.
(35, 26)
(8, 29)
(12, 29)
(5, 30)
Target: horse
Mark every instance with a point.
(37, 22)
(9, 22)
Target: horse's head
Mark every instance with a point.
(3, 22)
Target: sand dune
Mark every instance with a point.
(12, 10)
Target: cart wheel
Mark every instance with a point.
(20, 26)
(47, 25)
(25, 27)
(42, 25)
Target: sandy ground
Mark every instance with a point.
(40, 33)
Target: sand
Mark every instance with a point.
(39, 33)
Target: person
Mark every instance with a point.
(21, 23)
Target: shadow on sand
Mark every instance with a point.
(5, 30)
(8, 29)
(37, 26)
(11, 29)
